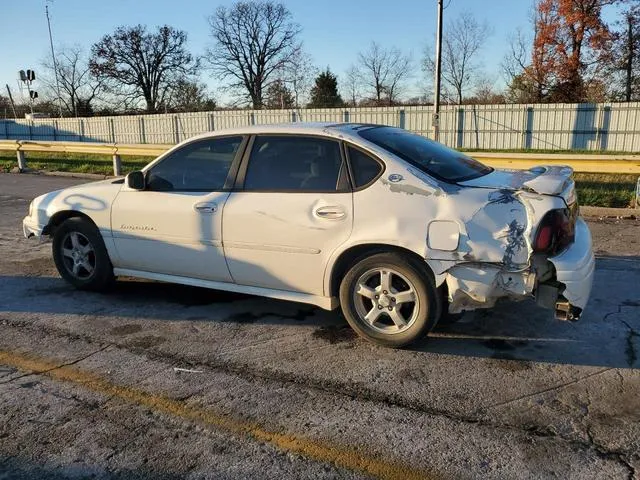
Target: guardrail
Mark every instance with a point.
(116, 151)
(621, 164)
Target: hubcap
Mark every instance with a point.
(386, 300)
(78, 255)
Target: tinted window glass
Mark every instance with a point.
(429, 156)
(363, 167)
(198, 166)
(293, 163)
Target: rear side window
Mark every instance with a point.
(363, 167)
(293, 163)
(201, 166)
(428, 156)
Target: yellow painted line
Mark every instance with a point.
(579, 166)
(341, 456)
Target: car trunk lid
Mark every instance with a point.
(543, 180)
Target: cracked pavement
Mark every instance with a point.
(88, 386)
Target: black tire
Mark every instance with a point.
(86, 234)
(406, 276)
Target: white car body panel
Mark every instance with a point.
(476, 236)
(281, 241)
(173, 233)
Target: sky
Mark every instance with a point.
(333, 31)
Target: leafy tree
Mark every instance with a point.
(254, 39)
(324, 93)
(142, 65)
(279, 96)
(571, 45)
(189, 95)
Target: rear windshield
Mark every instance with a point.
(428, 156)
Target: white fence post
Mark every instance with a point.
(143, 133)
(176, 129)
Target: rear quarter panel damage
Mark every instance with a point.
(487, 258)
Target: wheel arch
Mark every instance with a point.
(59, 217)
(347, 258)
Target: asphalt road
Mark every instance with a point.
(89, 387)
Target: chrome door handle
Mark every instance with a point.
(332, 213)
(205, 207)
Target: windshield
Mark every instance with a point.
(430, 157)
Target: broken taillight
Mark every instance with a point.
(555, 232)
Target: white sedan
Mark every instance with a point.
(394, 228)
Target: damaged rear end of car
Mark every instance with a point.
(527, 240)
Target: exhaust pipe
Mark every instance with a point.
(567, 312)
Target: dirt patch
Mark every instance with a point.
(147, 341)
(335, 334)
(125, 329)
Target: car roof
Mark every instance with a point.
(309, 128)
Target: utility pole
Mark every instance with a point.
(53, 57)
(438, 76)
(630, 57)
(13, 105)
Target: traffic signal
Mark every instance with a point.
(33, 94)
(31, 75)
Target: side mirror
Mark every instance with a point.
(135, 180)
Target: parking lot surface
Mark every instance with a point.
(162, 381)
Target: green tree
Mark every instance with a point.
(189, 95)
(324, 93)
(279, 96)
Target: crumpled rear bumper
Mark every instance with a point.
(575, 267)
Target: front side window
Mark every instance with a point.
(428, 156)
(201, 166)
(293, 163)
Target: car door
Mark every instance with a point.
(293, 210)
(174, 225)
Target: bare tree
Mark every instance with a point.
(352, 85)
(254, 39)
(625, 61)
(78, 86)
(298, 75)
(463, 39)
(142, 65)
(383, 71)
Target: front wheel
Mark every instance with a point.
(80, 255)
(390, 300)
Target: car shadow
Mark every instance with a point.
(608, 335)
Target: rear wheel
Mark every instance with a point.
(389, 299)
(80, 255)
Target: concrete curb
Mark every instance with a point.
(88, 176)
(625, 213)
